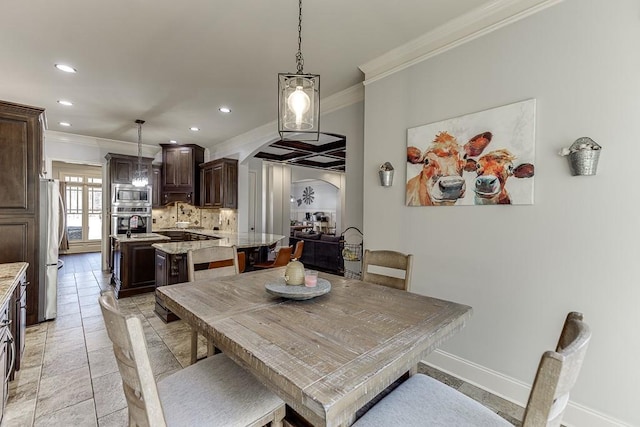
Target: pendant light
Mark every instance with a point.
(140, 176)
(299, 99)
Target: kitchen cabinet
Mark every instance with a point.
(6, 349)
(21, 139)
(180, 174)
(156, 186)
(169, 269)
(219, 184)
(120, 170)
(133, 267)
(17, 316)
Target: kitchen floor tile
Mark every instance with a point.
(64, 390)
(80, 414)
(108, 394)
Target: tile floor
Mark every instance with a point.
(69, 375)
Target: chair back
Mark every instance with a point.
(242, 262)
(130, 349)
(389, 259)
(283, 257)
(221, 261)
(557, 373)
(297, 252)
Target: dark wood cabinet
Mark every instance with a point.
(20, 167)
(169, 269)
(6, 346)
(133, 267)
(156, 186)
(18, 326)
(219, 186)
(120, 170)
(180, 175)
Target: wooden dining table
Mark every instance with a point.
(326, 357)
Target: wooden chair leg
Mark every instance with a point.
(194, 345)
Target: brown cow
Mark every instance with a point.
(440, 182)
(493, 170)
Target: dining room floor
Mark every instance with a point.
(69, 374)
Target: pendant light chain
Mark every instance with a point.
(299, 59)
(140, 145)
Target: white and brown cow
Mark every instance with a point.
(493, 169)
(440, 183)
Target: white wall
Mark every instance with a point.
(522, 268)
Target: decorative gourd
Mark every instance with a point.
(294, 273)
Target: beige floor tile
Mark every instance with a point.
(108, 394)
(69, 290)
(80, 414)
(116, 419)
(102, 362)
(64, 390)
(90, 311)
(57, 364)
(19, 413)
(93, 323)
(69, 308)
(94, 290)
(66, 321)
(98, 339)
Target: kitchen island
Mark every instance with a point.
(171, 257)
(132, 263)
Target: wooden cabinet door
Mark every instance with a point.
(20, 141)
(206, 186)
(178, 165)
(161, 268)
(230, 185)
(216, 186)
(121, 171)
(156, 186)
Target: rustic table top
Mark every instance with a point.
(325, 357)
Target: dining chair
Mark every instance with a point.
(282, 258)
(214, 262)
(297, 252)
(422, 400)
(388, 259)
(215, 391)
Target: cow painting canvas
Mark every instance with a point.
(484, 158)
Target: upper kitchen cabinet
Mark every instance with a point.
(219, 183)
(120, 168)
(180, 175)
(156, 186)
(20, 158)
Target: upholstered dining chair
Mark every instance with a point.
(282, 258)
(215, 391)
(388, 259)
(297, 251)
(214, 262)
(424, 401)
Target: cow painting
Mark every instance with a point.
(493, 169)
(440, 182)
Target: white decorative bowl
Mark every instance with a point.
(182, 224)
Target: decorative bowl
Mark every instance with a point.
(182, 224)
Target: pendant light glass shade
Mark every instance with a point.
(299, 99)
(299, 106)
(140, 178)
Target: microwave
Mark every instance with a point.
(122, 194)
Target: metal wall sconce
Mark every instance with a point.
(583, 156)
(386, 174)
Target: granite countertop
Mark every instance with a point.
(224, 239)
(9, 276)
(139, 237)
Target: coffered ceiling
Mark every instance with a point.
(175, 63)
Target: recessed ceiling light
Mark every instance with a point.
(63, 102)
(195, 129)
(224, 109)
(66, 68)
(173, 141)
(64, 124)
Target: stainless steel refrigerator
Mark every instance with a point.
(51, 215)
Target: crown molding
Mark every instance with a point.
(476, 23)
(108, 145)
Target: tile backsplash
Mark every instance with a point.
(166, 217)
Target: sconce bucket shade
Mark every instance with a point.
(386, 178)
(583, 157)
(299, 106)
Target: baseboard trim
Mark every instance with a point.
(513, 390)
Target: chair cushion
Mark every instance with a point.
(423, 401)
(214, 391)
